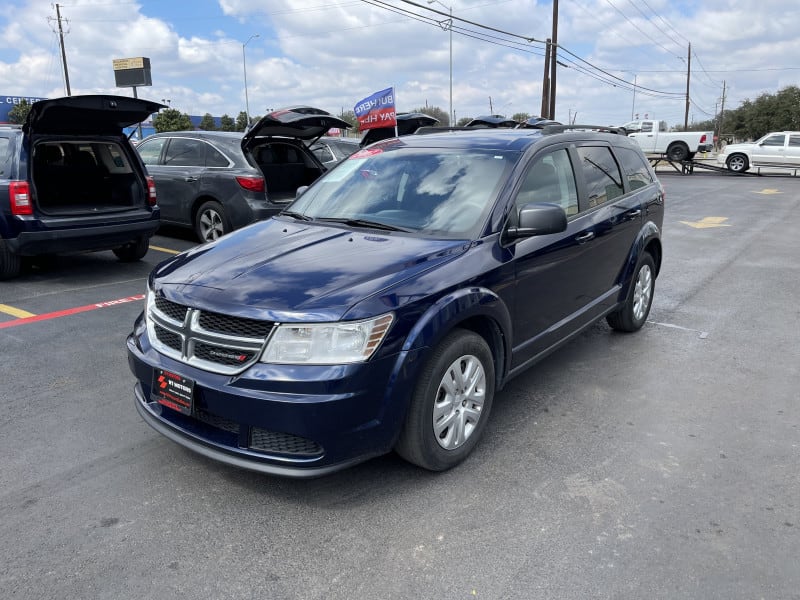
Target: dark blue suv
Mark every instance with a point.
(387, 305)
(70, 181)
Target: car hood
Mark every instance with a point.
(281, 270)
(298, 122)
(744, 147)
(93, 115)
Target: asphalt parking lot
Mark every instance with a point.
(662, 464)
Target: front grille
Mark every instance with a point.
(168, 338)
(234, 325)
(262, 440)
(176, 312)
(204, 339)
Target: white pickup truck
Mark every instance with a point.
(654, 138)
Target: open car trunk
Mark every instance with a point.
(91, 175)
(286, 167)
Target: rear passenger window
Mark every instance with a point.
(636, 169)
(215, 158)
(794, 141)
(550, 179)
(5, 144)
(601, 172)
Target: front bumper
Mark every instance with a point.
(288, 420)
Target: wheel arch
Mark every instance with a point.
(199, 201)
(479, 310)
(648, 241)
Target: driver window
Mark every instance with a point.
(774, 140)
(550, 179)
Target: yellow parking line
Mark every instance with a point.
(167, 250)
(15, 312)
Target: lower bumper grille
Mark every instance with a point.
(262, 440)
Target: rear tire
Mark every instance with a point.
(738, 163)
(678, 152)
(451, 403)
(633, 313)
(210, 223)
(133, 251)
(10, 263)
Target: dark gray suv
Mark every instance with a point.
(215, 181)
(70, 181)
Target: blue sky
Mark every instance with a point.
(332, 54)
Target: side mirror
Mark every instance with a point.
(539, 218)
(300, 191)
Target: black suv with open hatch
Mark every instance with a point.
(71, 181)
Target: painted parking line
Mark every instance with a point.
(167, 250)
(15, 312)
(70, 311)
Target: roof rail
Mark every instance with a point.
(550, 129)
(440, 128)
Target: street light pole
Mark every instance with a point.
(450, 116)
(244, 68)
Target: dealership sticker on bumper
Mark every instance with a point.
(173, 391)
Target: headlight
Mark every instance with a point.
(326, 343)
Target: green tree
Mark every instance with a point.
(241, 121)
(19, 112)
(207, 123)
(463, 121)
(226, 123)
(171, 119)
(436, 113)
(520, 117)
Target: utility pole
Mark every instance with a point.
(545, 112)
(63, 52)
(553, 62)
(633, 103)
(688, 76)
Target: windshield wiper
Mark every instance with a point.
(296, 215)
(363, 223)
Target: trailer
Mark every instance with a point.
(687, 167)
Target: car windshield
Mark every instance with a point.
(434, 191)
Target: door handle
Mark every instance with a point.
(632, 214)
(190, 179)
(584, 237)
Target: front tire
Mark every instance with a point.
(210, 223)
(633, 313)
(133, 251)
(737, 163)
(451, 403)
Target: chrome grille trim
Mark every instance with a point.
(181, 340)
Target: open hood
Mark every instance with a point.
(492, 121)
(407, 123)
(298, 122)
(93, 115)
